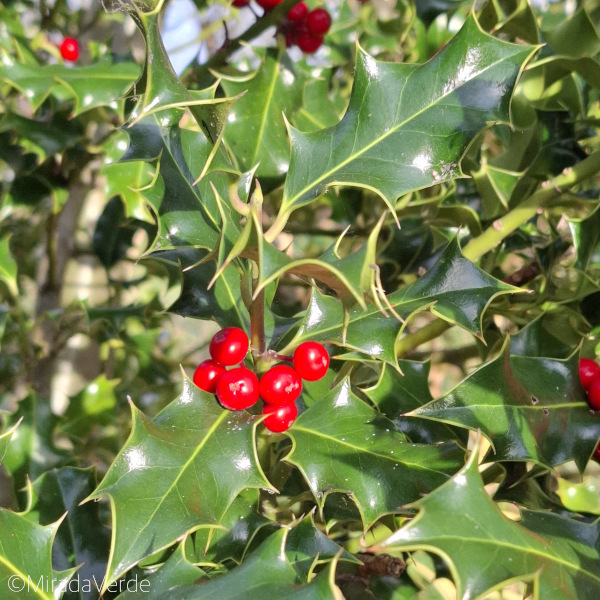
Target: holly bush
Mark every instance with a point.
(417, 192)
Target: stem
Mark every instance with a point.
(257, 324)
(493, 236)
(277, 226)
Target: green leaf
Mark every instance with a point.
(398, 392)
(32, 451)
(157, 586)
(100, 84)
(256, 131)
(8, 267)
(586, 236)
(407, 126)
(163, 484)
(265, 573)
(82, 538)
(5, 439)
(362, 454)
(453, 289)
(26, 557)
(529, 408)
(242, 521)
(580, 497)
(484, 550)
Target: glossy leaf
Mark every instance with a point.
(252, 579)
(557, 555)
(82, 539)
(5, 440)
(362, 454)
(586, 236)
(26, 552)
(175, 474)
(398, 392)
(8, 267)
(407, 126)
(256, 131)
(583, 497)
(529, 408)
(453, 289)
(101, 84)
(178, 570)
(32, 450)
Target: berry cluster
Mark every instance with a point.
(239, 388)
(305, 28)
(589, 373)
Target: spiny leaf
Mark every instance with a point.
(252, 580)
(529, 408)
(398, 392)
(101, 84)
(558, 555)
(407, 126)
(5, 439)
(454, 289)
(362, 454)
(26, 557)
(82, 539)
(256, 130)
(178, 570)
(175, 474)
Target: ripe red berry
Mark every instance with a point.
(280, 385)
(240, 3)
(309, 43)
(588, 370)
(207, 374)
(297, 13)
(229, 346)
(69, 49)
(318, 21)
(594, 394)
(268, 4)
(280, 418)
(311, 361)
(237, 389)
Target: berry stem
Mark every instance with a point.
(283, 357)
(257, 324)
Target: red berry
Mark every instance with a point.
(237, 389)
(206, 375)
(69, 49)
(309, 43)
(268, 4)
(594, 394)
(318, 21)
(588, 371)
(311, 361)
(229, 346)
(280, 418)
(297, 13)
(280, 385)
(240, 3)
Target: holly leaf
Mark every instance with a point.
(362, 454)
(256, 130)
(529, 408)
(453, 289)
(407, 126)
(5, 439)
(178, 570)
(252, 580)
(32, 450)
(8, 267)
(26, 558)
(558, 556)
(162, 484)
(586, 236)
(100, 84)
(398, 392)
(82, 538)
